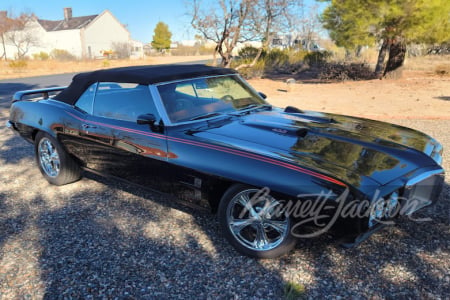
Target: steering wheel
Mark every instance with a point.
(181, 104)
(227, 98)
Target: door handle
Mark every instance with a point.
(87, 126)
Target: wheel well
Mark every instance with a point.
(34, 133)
(215, 193)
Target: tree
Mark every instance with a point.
(394, 24)
(20, 33)
(161, 37)
(5, 26)
(266, 18)
(222, 24)
(234, 21)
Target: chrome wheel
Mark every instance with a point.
(255, 221)
(48, 157)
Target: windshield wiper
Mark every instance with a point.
(250, 106)
(205, 116)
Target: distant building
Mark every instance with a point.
(84, 37)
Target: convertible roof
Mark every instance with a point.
(139, 74)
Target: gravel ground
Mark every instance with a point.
(103, 239)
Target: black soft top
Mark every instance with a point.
(139, 74)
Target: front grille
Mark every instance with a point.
(422, 191)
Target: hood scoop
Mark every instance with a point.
(278, 128)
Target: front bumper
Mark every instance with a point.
(9, 124)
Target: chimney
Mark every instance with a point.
(67, 13)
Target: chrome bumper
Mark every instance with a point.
(9, 125)
(422, 191)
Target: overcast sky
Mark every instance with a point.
(139, 16)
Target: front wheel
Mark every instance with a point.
(254, 224)
(54, 162)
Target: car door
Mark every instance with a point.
(116, 143)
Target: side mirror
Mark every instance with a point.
(264, 96)
(146, 119)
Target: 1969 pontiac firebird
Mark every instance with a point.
(272, 175)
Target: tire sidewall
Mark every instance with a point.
(68, 171)
(286, 245)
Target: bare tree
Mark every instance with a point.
(6, 24)
(121, 49)
(222, 24)
(266, 18)
(21, 34)
(310, 25)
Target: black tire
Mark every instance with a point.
(257, 219)
(54, 162)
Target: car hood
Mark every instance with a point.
(355, 150)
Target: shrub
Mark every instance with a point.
(293, 290)
(62, 55)
(256, 71)
(191, 50)
(18, 65)
(317, 58)
(277, 59)
(106, 63)
(41, 56)
(344, 72)
(250, 52)
(121, 50)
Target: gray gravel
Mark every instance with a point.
(102, 239)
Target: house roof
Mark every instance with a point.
(137, 74)
(72, 23)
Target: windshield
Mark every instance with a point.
(203, 97)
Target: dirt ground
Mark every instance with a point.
(418, 95)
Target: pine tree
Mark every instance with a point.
(393, 24)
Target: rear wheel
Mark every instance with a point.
(54, 162)
(253, 224)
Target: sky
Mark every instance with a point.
(140, 17)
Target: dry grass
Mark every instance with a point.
(427, 63)
(39, 68)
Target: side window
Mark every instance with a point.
(86, 100)
(123, 101)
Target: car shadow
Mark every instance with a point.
(405, 260)
(116, 251)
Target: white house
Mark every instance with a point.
(84, 37)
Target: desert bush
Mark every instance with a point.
(250, 52)
(344, 71)
(18, 65)
(41, 56)
(277, 59)
(317, 58)
(256, 71)
(442, 69)
(121, 50)
(191, 50)
(106, 63)
(62, 55)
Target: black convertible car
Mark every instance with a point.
(203, 134)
